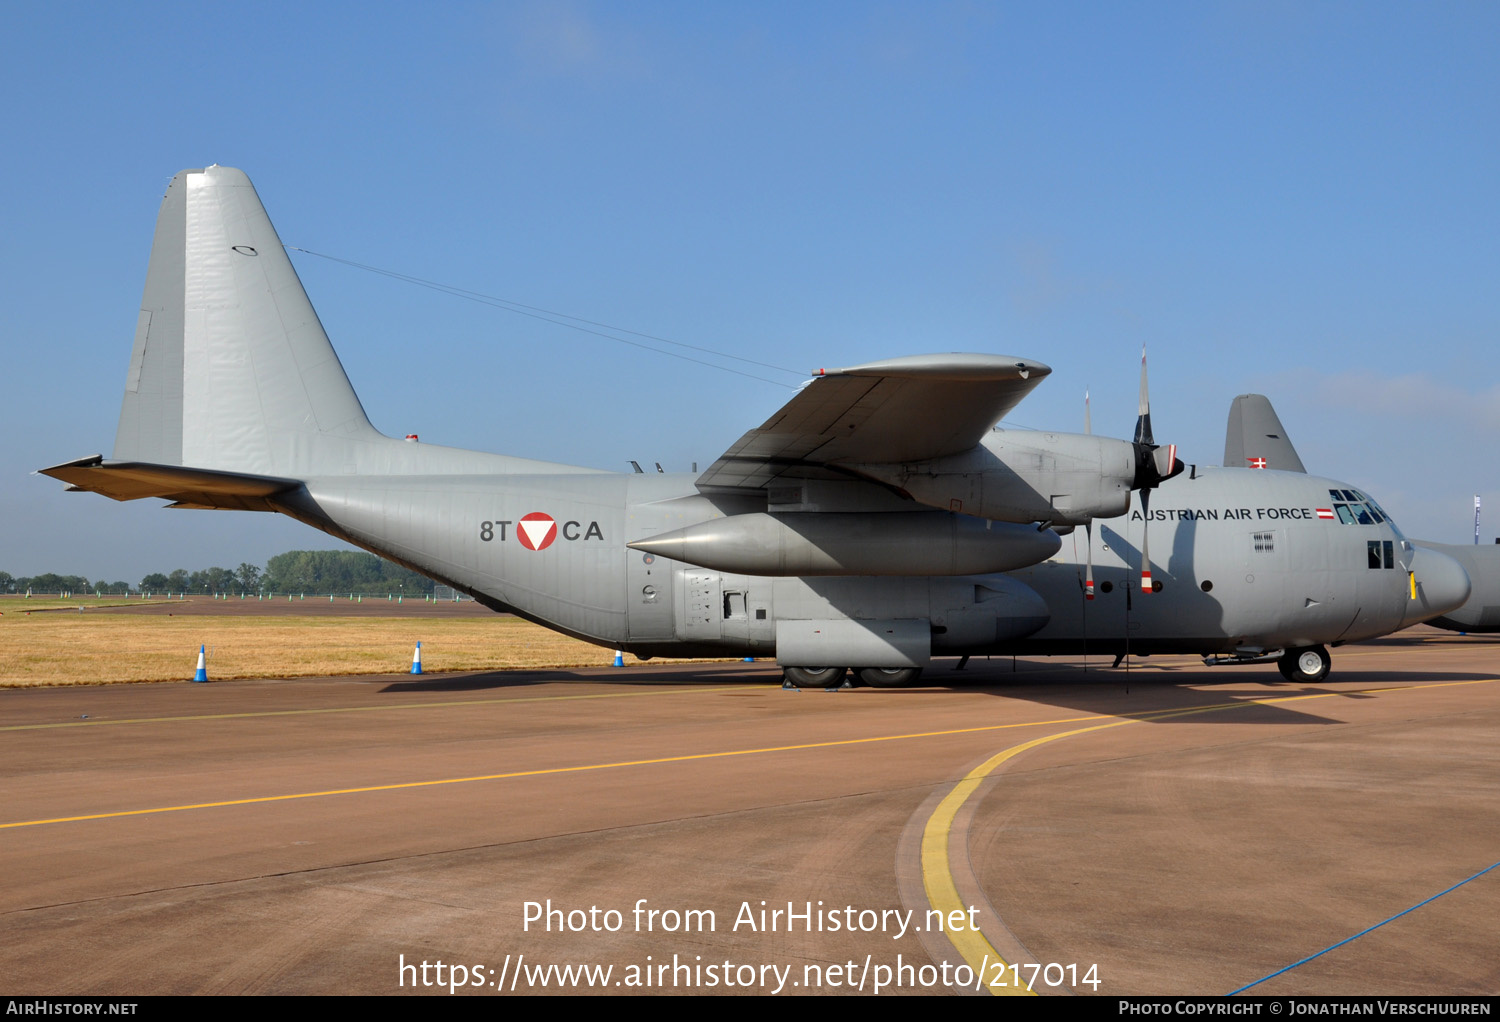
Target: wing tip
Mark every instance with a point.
(949, 366)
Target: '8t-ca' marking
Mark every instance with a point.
(538, 530)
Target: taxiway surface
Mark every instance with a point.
(1194, 831)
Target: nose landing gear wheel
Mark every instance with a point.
(1305, 665)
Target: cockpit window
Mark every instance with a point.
(1379, 511)
(1354, 508)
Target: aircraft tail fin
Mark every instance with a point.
(1255, 437)
(235, 395)
(231, 369)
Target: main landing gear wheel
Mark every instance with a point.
(888, 677)
(813, 677)
(1307, 664)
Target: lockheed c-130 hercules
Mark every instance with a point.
(876, 521)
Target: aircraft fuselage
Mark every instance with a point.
(1242, 561)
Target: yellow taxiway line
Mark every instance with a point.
(937, 873)
(545, 771)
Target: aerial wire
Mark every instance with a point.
(562, 318)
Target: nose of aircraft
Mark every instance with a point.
(1442, 585)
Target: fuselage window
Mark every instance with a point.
(1382, 553)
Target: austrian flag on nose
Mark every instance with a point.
(536, 531)
(1325, 512)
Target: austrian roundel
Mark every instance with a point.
(536, 531)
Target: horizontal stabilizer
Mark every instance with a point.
(195, 487)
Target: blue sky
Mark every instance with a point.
(1294, 199)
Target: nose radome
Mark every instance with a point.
(1442, 585)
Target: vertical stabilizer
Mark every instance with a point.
(1255, 437)
(231, 369)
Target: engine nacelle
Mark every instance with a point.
(1015, 476)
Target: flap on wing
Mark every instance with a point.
(900, 409)
(131, 480)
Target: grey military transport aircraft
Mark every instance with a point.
(876, 521)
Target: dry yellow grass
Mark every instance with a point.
(63, 648)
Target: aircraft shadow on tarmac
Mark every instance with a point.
(1163, 688)
(634, 676)
(1149, 689)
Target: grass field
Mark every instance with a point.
(65, 646)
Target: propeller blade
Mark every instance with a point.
(1165, 461)
(1088, 573)
(1143, 417)
(1146, 542)
(1153, 464)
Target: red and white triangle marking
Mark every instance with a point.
(536, 531)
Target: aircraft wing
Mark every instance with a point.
(900, 409)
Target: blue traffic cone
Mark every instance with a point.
(202, 673)
(416, 660)
(619, 658)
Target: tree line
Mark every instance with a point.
(296, 571)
